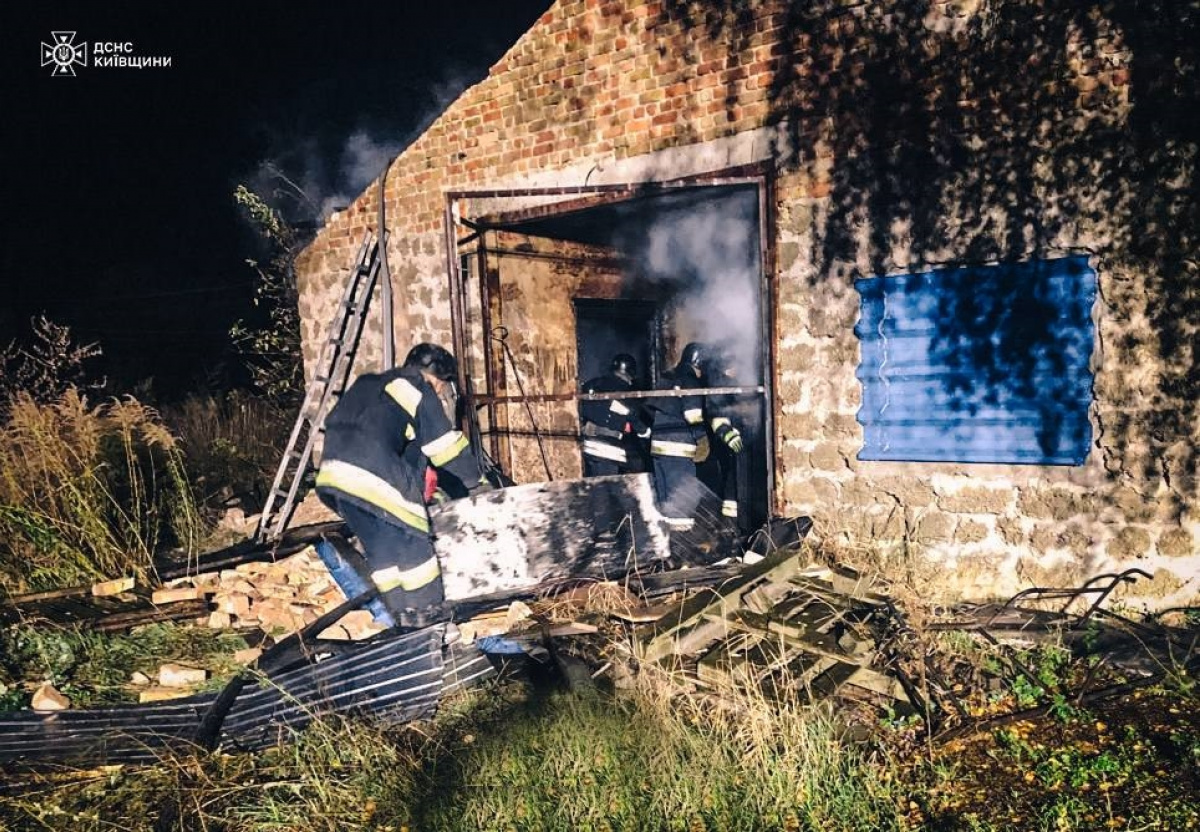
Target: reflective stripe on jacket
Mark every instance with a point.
(380, 437)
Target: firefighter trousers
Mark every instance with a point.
(595, 466)
(393, 550)
(678, 490)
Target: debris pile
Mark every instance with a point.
(278, 598)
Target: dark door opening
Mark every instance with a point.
(604, 328)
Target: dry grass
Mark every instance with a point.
(233, 443)
(87, 492)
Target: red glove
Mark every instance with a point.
(431, 482)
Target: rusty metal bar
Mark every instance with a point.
(489, 360)
(1072, 594)
(632, 394)
(770, 336)
(742, 175)
(458, 323)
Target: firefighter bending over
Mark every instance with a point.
(381, 436)
(608, 424)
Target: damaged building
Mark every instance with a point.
(948, 247)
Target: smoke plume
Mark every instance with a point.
(707, 254)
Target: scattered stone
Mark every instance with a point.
(173, 675)
(114, 587)
(139, 678)
(181, 593)
(233, 519)
(158, 694)
(218, 620)
(481, 626)
(48, 698)
(247, 656)
(518, 611)
(353, 626)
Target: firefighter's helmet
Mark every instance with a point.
(432, 359)
(694, 356)
(624, 365)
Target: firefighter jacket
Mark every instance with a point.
(678, 420)
(380, 438)
(607, 422)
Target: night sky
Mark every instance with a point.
(118, 216)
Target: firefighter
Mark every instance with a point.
(608, 424)
(380, 438)
(677, 427)
(728, 443)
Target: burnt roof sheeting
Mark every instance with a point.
(399, 677)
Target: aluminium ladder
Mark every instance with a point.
(328, 382)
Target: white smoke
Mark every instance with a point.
(361, 162)
(309, 178)
(708, 253)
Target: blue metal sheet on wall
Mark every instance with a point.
(978, 364)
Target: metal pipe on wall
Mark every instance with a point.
(385, 288)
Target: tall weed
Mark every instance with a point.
(87, 492)
(233, 443)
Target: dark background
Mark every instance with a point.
(118, 216)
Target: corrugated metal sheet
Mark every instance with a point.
(978, 364)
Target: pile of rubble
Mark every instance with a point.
(278, 598)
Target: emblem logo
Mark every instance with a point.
(63, 53)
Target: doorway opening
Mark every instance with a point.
(549, 284)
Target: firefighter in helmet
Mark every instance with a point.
(728, 444)
(678, 430)
(380, 438)
(609, 424)
(677, 427)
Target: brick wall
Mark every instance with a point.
(902, 135)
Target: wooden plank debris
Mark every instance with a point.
(780, 626)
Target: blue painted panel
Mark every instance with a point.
(978, 364)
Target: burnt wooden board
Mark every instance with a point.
(602, 527)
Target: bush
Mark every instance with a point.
(87, 492)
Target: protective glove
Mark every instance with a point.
(702, 450)
(482, 487)
(731, 437)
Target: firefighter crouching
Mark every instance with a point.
(608, 424)
(380, 438)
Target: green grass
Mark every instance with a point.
(597, 764)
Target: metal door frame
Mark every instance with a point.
(588, 196)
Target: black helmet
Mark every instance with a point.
(694, 355)
(434, 360)
(624, 364)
